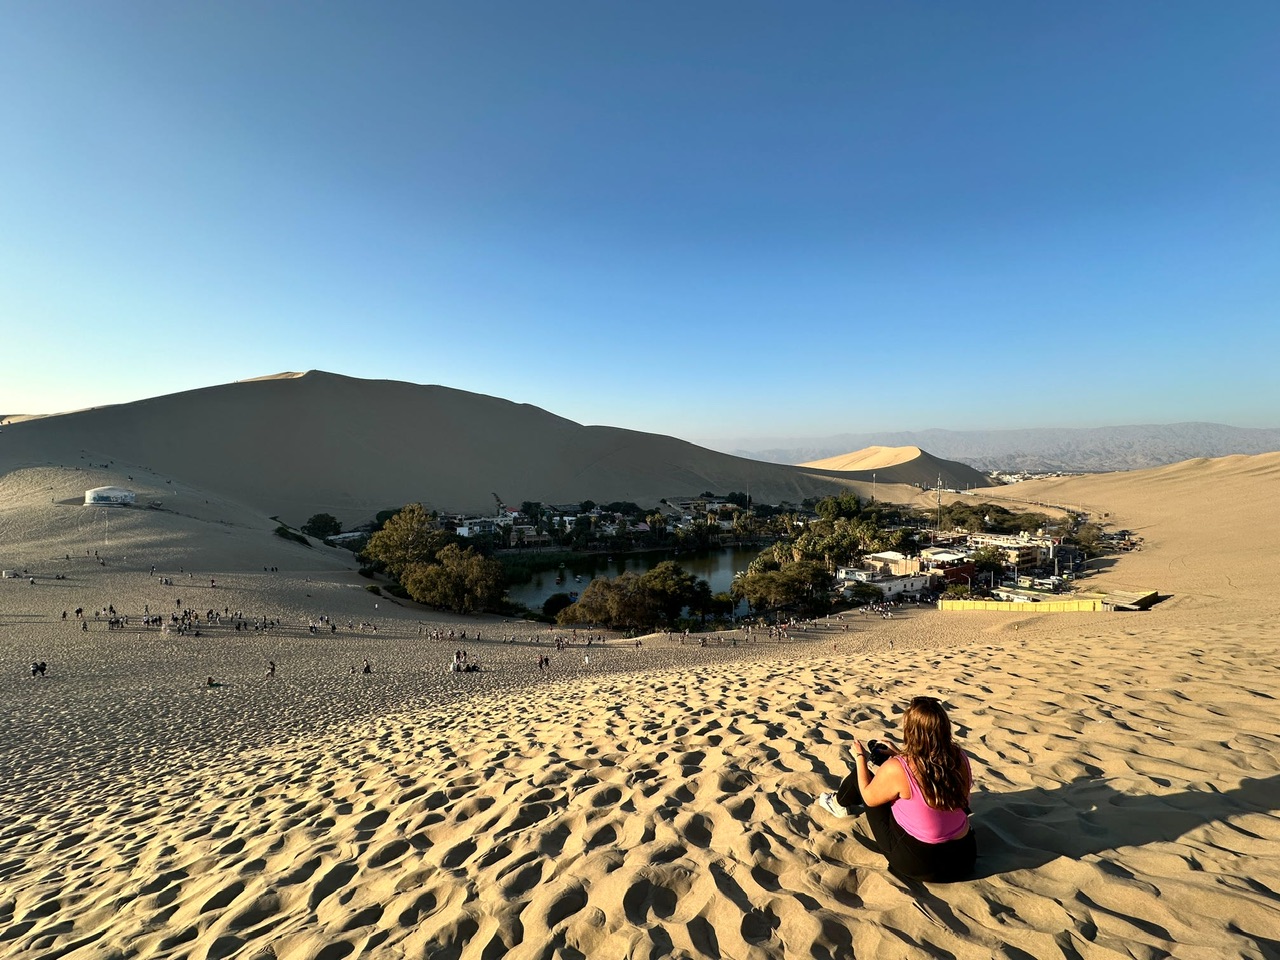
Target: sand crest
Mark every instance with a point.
(900, 465)
(299, 444)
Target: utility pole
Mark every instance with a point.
(939, 496)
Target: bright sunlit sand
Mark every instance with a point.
(651, 802)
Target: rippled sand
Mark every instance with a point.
(654, 802)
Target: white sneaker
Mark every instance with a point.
(828, 802)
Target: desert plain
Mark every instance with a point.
(652, 801)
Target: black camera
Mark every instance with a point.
(878, 752)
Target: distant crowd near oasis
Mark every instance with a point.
(815, 558)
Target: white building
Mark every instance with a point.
(889, 587)
(108, 496)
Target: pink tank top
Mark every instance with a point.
(921, 820)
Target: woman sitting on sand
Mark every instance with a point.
(917, 804)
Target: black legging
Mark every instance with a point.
(908, 856)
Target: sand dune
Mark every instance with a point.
(869, 458)
(296, 444)
(1207, 525)
(906, 465)
(286, 375)
(647, 802)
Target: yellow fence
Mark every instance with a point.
(1045, 606)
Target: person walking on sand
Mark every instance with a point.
(917, 803)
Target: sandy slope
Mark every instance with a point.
(908, 465)
(650, 803)
(869, 458)
(294, 445)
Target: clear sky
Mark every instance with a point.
(704, 219)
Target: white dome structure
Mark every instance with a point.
(108, 497)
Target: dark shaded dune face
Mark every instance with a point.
(298, 445)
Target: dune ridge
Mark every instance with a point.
(868, 458)
(294, 445)
(901, 465)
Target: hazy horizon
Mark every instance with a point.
(748, 441)
(680, 220)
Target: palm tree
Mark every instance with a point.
(657, 525)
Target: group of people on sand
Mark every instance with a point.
(883, 609)
(462, 663)
(186, 620)
(442, 635)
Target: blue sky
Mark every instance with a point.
(703, 219)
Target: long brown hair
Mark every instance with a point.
(936, 759)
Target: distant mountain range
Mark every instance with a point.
(1050, 450)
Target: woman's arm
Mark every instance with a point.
(889, 783)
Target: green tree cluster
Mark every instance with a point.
(461, 581)
(1087, 536)
(864, 593)
(554, 604)
(989, 559)
(410, 536)
(798, 571)
(580, 533)
(322, 525)
(833, 543)
(619, 602)
(803, 585)
(380, 519)
(990, 517)
(634, 601)
(433, 566)
(845, 506)
(698, 535)
(624, 507)
(657, 522)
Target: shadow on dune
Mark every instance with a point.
(1030, 828)
(1096, 566)
(1027, 829)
